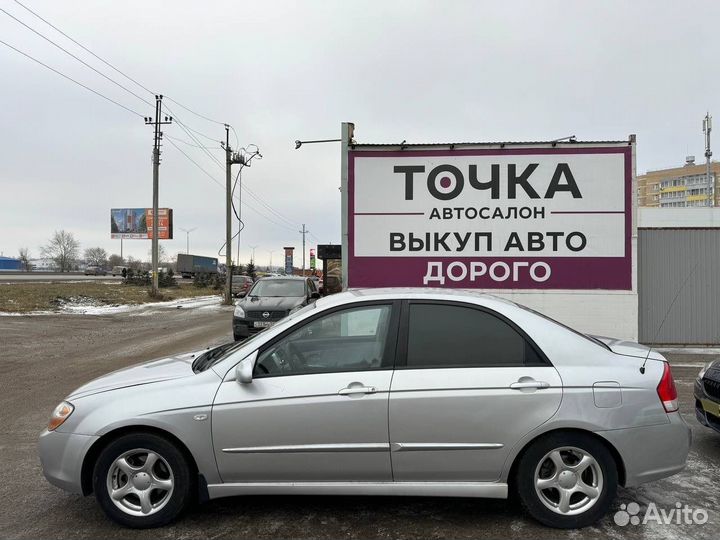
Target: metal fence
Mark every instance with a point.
(679, 294)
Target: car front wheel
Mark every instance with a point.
(142, 480)
(567, 481)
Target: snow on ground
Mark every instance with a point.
(86, 306)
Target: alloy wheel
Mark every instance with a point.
(140, 482)
(568, 480)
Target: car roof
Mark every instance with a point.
(416, 293)
(282, 277)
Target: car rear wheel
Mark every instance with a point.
(567, 480)
(142, 480)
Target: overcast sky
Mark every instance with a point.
(278, 71)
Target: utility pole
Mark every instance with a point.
(187, 238)
(271, 252)
(303, 232)
(707, 128)
(228, 217)
(156, 180)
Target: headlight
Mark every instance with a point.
(61, 413)
(239, 312)
(703, 370)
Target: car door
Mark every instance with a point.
(317, 407)
(468, 385)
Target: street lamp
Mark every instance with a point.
(187, 238)
(271, 251)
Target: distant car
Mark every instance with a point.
(707, 396)
(241, 285)
(269, 300)
(95, 271)
(119, 271)
(376, 392)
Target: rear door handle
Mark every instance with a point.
(530, 384)
(357, 390)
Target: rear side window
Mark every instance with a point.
(444, 336)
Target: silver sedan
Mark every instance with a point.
(378, 392)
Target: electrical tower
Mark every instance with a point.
(303, 232)
(156, 123)
(707, 128)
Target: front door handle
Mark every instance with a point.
(350, 390)
(539, 385)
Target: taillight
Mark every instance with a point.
(666, 390)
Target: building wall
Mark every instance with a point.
(678, 260)
(678, 187)
(10, 264)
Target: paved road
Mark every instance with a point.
(45, 357)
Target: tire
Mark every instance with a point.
(164, 503)
(592, 486)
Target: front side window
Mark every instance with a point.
(446, 336)
(349, 340)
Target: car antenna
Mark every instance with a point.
(677, 294)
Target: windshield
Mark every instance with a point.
(279, 287)
(211, 357)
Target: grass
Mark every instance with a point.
(28, 297)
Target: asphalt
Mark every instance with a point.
(45, 357)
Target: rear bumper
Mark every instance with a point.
(652, 452)
(61, 457)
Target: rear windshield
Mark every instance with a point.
(278, 287)
(566, 327)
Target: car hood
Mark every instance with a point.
(162, 369)
(630, 348)
(271, 303)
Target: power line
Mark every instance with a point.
(191, 144)
(75, 57)
(210, 176)
(114, 68)
(72, 80)
(85, 48)
(188, 109)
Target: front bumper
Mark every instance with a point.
(61, 457)
(652, 452)
(243, 327)
(707, 408)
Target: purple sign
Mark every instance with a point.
(503, 218)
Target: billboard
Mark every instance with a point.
(503, 217)
(289, 260)
(137, 223)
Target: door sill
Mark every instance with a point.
(490, 490)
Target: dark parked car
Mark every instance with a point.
(269, 300)
(707, 396)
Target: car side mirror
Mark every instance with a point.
(242, 294)
(315, 295)
(244, 370)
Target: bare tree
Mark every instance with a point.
(134, 264)
(24, 256)
(96, 256)
(62, 249)
(115, 260)
(162, 254)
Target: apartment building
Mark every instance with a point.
(684, 186)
